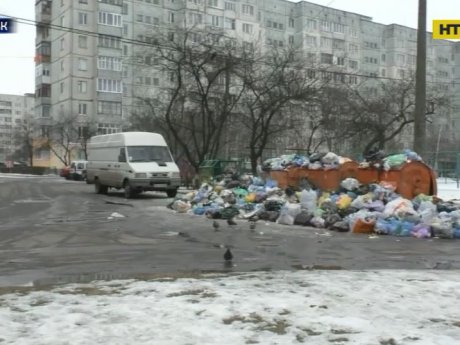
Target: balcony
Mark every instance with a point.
(43, 11)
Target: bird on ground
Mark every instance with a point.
(252, 225)
(231, 222)
(215, 225)
(228, 256)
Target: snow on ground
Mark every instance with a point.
(314, 307)
(447, 189)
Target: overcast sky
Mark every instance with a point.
(17, 50)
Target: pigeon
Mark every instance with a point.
(228, 256)
(252, 225)
(215, 225)
(231, 222)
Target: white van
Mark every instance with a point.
(134, 161)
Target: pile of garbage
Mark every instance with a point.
(315, 161)
(373, 208)
(330, 160)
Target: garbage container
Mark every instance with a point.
(209, 168)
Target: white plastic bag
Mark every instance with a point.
(399, 207)
(284, 217)
(293, 209)
(350, 183)
(308, 200)
(427, 211)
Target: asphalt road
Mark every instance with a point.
(53, 231)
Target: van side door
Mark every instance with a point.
(120, 168)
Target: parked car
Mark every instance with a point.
(65, 172)
(78, 170)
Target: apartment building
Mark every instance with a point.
(16, 114)
(92, 62)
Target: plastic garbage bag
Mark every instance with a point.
(308, 199)
(285, 218)
(315, 157)
(376, 205)
(303, 218)
(317, 222)
(181, 206)
(293, 209)
(341, 226)
(363, 226)
(442, 229)
(331, 219)
(456, 233)
(344, 201)
(382, 227)
(421, 231)
(330, 158)
(394, 161)
(411, 155)
(350, 184)
(427, 211)
(251, 197)
(361, 201)
(399, 207)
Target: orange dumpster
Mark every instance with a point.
(410, 179)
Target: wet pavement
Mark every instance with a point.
(56, 231)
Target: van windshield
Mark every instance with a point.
(149, 154)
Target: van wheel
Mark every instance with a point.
(100, 188)
(128, 190)
(171, 193)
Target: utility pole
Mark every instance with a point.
(420, 83)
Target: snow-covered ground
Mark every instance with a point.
(313, 307)
(447, 189)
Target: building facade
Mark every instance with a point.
(91, 61)
(16, 116)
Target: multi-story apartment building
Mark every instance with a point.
(16, 114)
(92, 64)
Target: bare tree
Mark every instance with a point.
(24, 141)
(382, 110)
(198, 98)
(272, 83)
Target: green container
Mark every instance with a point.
(210, 168)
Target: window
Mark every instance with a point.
(341, 61)
(125, 49)
(109, 63)
(353, 64)
(247, 28)
(124, 9)
(325, 26)
(148, 20)
(61, 87)
(125, 29)
(401, 73)
(212, 3)
(62, 21)
(46, 111)
(230, 23)
(62, 44)
(195, 18)
(140, 18)
(338, 44)
(248, 10)
(82, 42)
(109, 108)
(82, 64)
(384, 72)
(291, 22)
(326, 58)
(62, 65)
(112, 19)
(82, 18)
(215, 20)
(171, 17)
(338, 28)
(291, 39)
(230, 6)
(109, 85)
(82, 108)
(400, 59)
(325, 42)
(147, 80)
(171, 36)
(310, 41)
(82, 86)
(107, 41)
(353, 48)
(311, 24)
(383, 57)
(107, 128)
